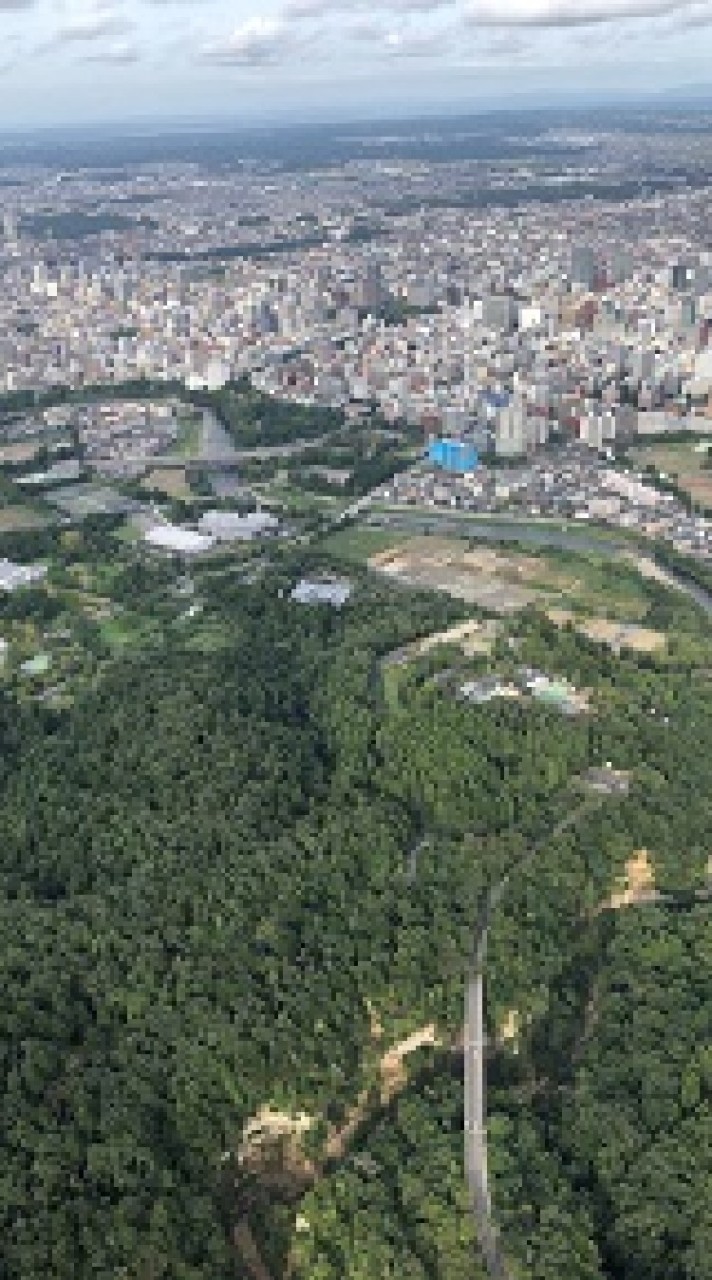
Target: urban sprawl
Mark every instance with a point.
(527, 339)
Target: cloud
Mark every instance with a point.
(295, 10)
(85, 26)
(16, 6)
(255, 43)
(368, 29)
(123, 53)
(565, 13)
(700, 15)
(413, 44)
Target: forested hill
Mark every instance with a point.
(220, 862)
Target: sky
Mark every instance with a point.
(94, 61)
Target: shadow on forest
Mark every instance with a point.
(261, 1206)
(543, 1074)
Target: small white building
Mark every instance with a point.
(332, 591)
(178, 541)
(229, 526)
(13, 576)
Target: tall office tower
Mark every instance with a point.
(372, 290)
(621, 265)
(511, 437)
(322, 279)
(688, 313)
(499, 312)
(681, 275)
(9, 226)
(583, 265)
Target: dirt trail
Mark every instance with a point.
(394, 1078)
(272, 1144)
(249, 1254)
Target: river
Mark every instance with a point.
(215, 443)
(544, 535)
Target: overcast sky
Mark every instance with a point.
(97, 60)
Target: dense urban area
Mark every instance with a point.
(355, 702)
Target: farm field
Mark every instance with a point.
(685, 464)
(358, 544)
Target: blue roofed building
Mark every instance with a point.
(459, 456)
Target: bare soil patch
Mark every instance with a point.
(617, 635)
(13, 519)
(493, 580)
(20, 451)
(637, 885)
(272, 1142)
(168, 480)
(685, 465)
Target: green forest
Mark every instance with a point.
(234, 875)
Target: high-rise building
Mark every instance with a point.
(681, 275)
(583, 265)
(372, 290)
(511, 436)
(499, 312)
(9, 224)
(621, 268)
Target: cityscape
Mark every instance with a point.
(355, 699)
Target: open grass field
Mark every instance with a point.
(358, 544)
(684, 463)
(190, 435)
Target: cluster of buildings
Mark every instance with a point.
(548, 690)
(566, 483)
(483, 302)
(13, 576)
(212, 529)
(359, 285)
(121, 432)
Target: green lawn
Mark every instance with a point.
(190, 433)
(359, 544)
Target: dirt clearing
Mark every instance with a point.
(617, 635)
(490, 579)
(637, 885)
(168, 480)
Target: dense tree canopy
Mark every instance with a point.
(216, 863)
